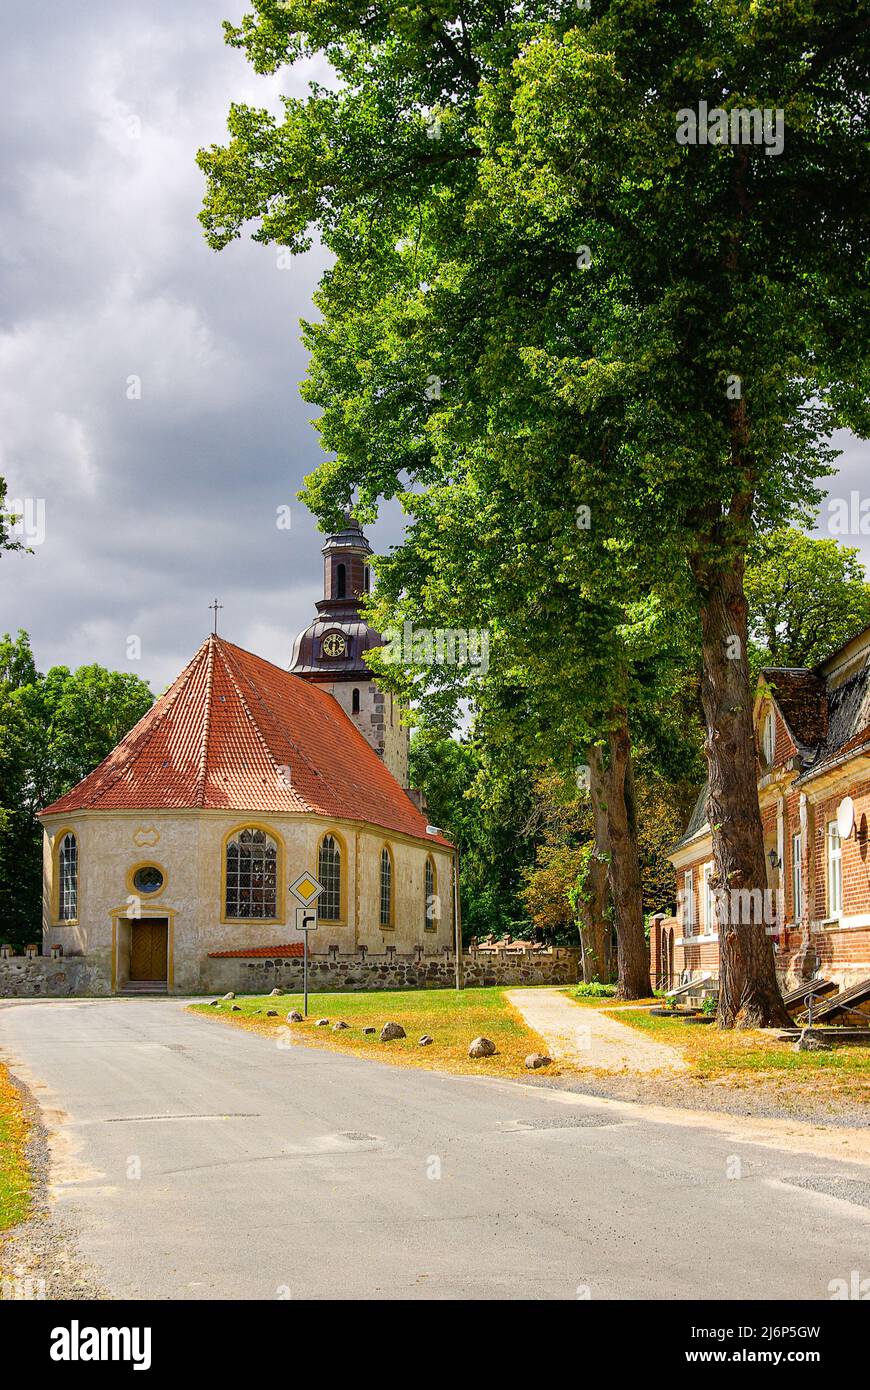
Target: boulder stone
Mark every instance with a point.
(482, 1047)
(214, 1004)
(370, 1030)
(271, 1013)
(294, 1016)
(391, 1031)
(322, 1023)
(276, 991)
(536, 1060)
(231, 995)
(425, 1041)
(235, 1009)
(337, 1027)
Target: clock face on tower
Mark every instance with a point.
(334, 644)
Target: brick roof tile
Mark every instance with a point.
(235, 732)
(294, 949)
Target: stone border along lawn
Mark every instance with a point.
(14, 1168)
(452, 1021)
(756, 1056)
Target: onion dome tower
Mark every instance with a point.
(330, 652)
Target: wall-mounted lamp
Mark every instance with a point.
(775, 861)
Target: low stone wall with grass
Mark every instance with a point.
(23, 977)
(337, 973)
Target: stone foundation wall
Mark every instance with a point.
(28, 979)
(352, 973)
(85, 975)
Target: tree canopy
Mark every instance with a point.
(807, 596)
(54, 729)
(597, 359)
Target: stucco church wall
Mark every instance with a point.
(188, 848)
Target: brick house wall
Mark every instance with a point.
(808, 935)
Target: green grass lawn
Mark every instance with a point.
(452, 1019)
(747, 1057)
(14, 1174)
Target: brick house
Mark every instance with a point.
(813, 745)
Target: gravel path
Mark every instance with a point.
(590, 1039)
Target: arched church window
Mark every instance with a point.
(329, 873)
(340, 581)
(386, 888)
(68, 879)
(430, 903)
(252, 875)
(355, 702)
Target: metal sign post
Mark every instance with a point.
(306, 921)
(306, 889)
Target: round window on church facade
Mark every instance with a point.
(148, 879)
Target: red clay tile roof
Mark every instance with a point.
(234, 732)
(295, 948)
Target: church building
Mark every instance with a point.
(178, 850)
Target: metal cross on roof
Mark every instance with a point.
(215, 606)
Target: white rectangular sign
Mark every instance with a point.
(306, 919)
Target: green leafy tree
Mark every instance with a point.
(539, 290)
(486, 816)
(7, 520)
(806, 598)
(54, 729)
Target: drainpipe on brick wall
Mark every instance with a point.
(808, 872)
(781, 915)
(457, 919)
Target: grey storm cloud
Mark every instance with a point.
(153, 505)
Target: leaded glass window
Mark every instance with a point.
(430, 916)
(68, 879)
(329, 873)
(252, 875)
(386, 889)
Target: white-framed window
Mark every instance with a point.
(709, 923)
(68, 875)
(688, 903)
(797, 888)
(768, 738)
(835, 870)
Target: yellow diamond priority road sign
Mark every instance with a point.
(306, 888)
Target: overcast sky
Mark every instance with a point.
(153, 505)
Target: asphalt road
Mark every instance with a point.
(195, 1160)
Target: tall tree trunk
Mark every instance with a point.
(632, 950)
(749, 995)
(595, 927)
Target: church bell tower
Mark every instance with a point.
(330, 651)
